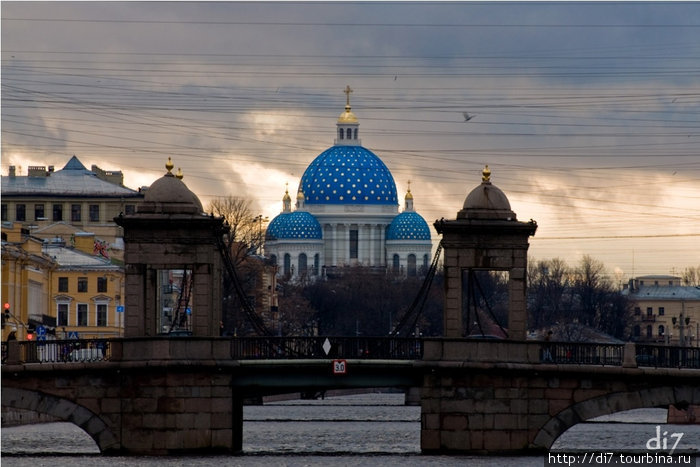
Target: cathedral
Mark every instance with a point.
(347, 214)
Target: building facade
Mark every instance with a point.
(74, 199)
(665, 312)
(347, 214)
(64, 289)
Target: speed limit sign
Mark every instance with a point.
(339, 367)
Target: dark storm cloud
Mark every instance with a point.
(582, 110)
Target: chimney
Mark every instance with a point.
(36, 171)
(85, 242)
(13, 171)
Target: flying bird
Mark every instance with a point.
(467, 117)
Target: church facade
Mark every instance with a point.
(347, 214)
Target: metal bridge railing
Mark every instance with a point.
(582, 353)
(60, 351)
(321, 347)
(665, 356)
(390, 348)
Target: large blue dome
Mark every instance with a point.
(294, 225)
(408, 225)
(348, 175)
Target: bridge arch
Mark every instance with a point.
(663, 396)
(62, 409)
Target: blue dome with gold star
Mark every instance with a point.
(297, 225)
(345, 174)
(408, 225)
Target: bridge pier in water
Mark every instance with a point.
(502, 399)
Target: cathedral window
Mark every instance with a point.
(287, 264)
(396, 264)
(353, 244)
(411, 269)
(355, 133)
(341, 133)
(302, 264)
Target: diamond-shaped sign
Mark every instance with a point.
(326, 346)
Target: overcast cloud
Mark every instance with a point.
(588, 114)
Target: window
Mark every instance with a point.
(396, 263)
(637, 331)
(341, 133)
(102, 284)
(82, 314)
(317, 263)
(353, 244)
(349, 133)
(287, 264)
(63, 284)
(302, 264)
(650, 311)
(76, 211)
(355, 133)
(94, 212)
(62, 315)
(411, 269)
(129, 209)
(637, 311)
(20, 212)
(38, 212)
(273, 259)
(82, 284)
(58, 212)
(661, 330)
(662, 311)
(102, 314)
(649, 330)
(4, 212)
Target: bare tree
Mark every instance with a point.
(243, 241)
(246, 234)
(691, 276)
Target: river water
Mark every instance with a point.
(359, 430)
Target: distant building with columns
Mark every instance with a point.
(347, 214)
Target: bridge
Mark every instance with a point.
(185, 395)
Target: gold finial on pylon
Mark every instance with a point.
(486, 175)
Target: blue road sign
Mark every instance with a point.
(120, 309)
(73, 335)
(188, 311)
(41, 338)
(40, 331)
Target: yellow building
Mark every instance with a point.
(26, 278)
(58, 203)
(665, 312)
(65, 289)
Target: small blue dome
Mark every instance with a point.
(294, 225)
(348, 175)
(408, 225)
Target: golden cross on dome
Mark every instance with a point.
(347, 92)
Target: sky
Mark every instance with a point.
(587, 114)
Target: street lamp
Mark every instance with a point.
(681, 323)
